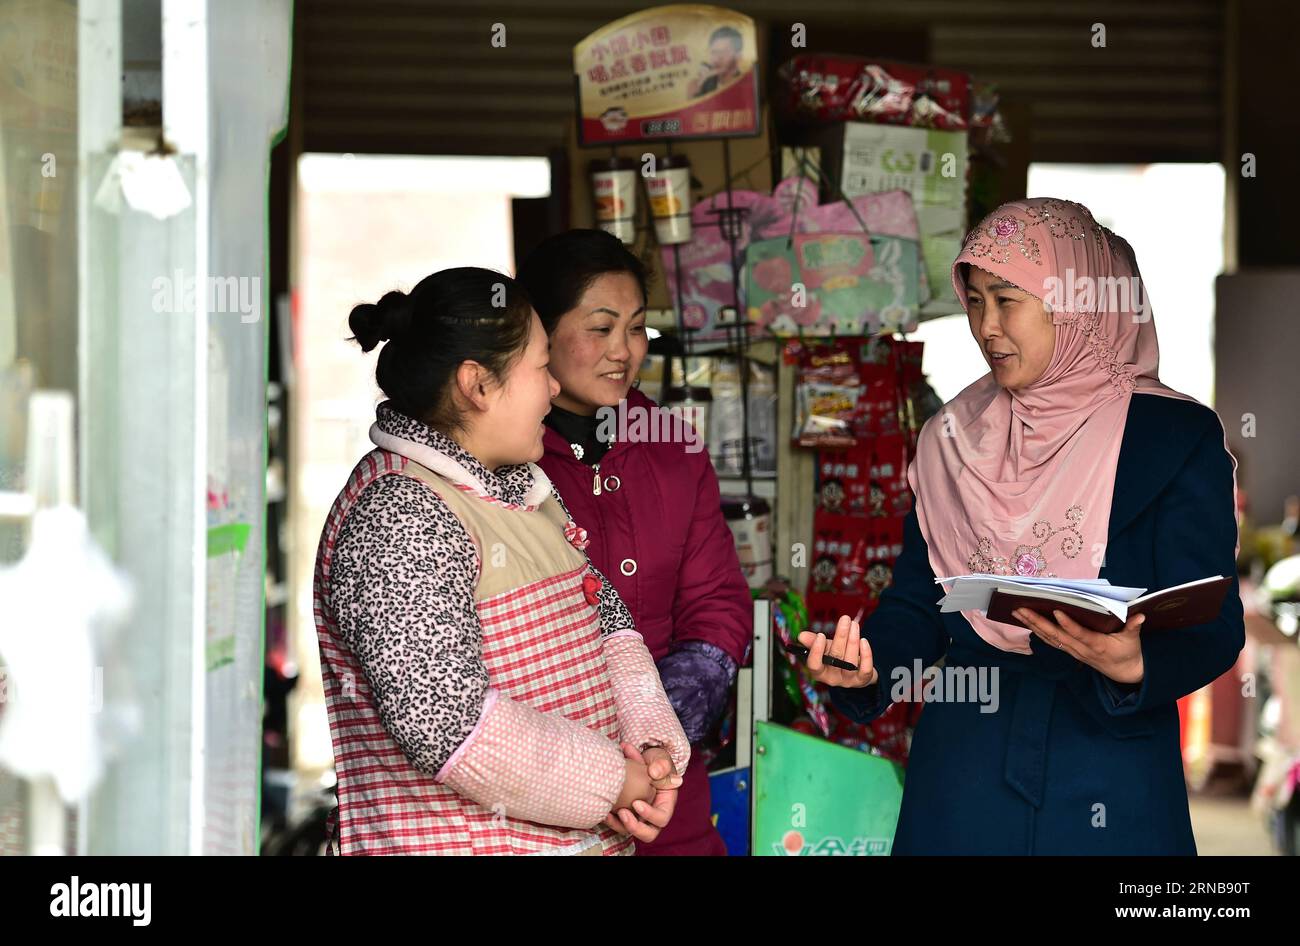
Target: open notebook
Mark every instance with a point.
(1093, 602)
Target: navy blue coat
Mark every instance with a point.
(1070, 762)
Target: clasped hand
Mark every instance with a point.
(649, 794)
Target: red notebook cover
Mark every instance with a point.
(1172, 608)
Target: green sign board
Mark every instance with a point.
(816, 798)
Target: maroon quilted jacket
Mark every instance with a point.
(656, 531)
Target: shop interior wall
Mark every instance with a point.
(419, 77)
(412, 76)
(1257, 318)
(1255, 351)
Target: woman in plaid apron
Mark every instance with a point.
(487, 691)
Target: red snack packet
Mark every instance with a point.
(826, 396)
(830, 88)
(888, 493)
(877, 409)
(834, 537)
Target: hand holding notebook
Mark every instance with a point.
(1094, 603)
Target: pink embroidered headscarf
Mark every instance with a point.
(1020, 482)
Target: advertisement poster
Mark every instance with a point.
(679, 71)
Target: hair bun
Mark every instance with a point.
(372, 323)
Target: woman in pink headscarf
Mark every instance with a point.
(1068, 459)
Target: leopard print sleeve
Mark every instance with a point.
(614, 614)
(402, 586)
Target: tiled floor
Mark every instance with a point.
(1226, 825)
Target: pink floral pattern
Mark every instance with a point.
(1028, 561)
(1066, 220)
(996, 238)
(1005, 230)
(1027, 564)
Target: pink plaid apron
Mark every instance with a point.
(541, 646)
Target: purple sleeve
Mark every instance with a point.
(697, 678)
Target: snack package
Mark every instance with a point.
(795, 207)
(885, 297)
(834, 537)
(870, 569)
(908, 356)
(835, 471)
(888, 493)
(826, 396)
(916, 401)
(885, 370)
(825, 611)
(895, 285)
(826, 415)
(929, 165)
(829, 88)
(775, 302)
(890, 213)
(832, 284)
(867, 480)
(853, 555)
(878, 405)
(932, 166)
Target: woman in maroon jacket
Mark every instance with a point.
(651, 508)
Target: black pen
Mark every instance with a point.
(799, 650)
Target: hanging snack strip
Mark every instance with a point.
(826, 395)
(862, 501)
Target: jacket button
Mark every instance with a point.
(627, 567)
(612, 483)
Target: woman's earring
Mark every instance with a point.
(637, 384)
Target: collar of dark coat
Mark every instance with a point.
(1159, 435)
